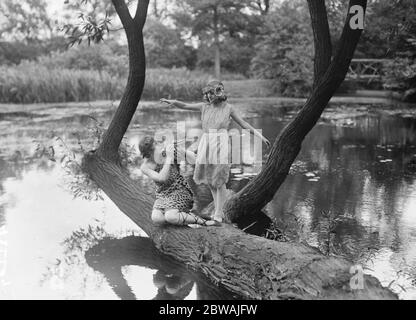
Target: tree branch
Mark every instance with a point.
(261, 190)
(123, 12)
(322, 38)
(141, 13)
(135, 82)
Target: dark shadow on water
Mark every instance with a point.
(173, 280)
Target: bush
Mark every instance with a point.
(285, 51)
(174, 83)
(109, 57)
(400, 74)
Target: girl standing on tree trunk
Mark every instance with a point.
(174, 197)
(212, 166)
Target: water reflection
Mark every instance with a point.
(172, 280)
(351, 191)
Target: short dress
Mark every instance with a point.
(175, 193)
(212, 165)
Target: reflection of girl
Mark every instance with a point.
(171, 286)
(215, 115)
(174, 197)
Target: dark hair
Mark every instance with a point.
(146, 146)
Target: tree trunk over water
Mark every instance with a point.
(250, 266)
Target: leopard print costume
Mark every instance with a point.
(175, 193)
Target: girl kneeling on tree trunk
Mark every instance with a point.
(174, 197)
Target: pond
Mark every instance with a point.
(351, 191)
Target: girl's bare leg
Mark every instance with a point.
(158, 216)
(221, 198)
(174, 216)
(214, 197)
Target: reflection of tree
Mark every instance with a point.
(172, 279)
(73, 259)
(94, 247)
(354, 177)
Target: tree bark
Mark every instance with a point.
(137, 73)
(322, 38)
(261, 190)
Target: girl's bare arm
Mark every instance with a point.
(245, 125)
(161, 176)
(183, 105)
(190, 157)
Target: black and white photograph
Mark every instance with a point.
(230, 151)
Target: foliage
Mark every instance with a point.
(94, 21)
(109, 57)
(236, 55)
(390, 29)
(393, 31)
(224, 24)
(254, 41)
(174, 83)
(75, 178)
(400, 75)
(284, 52)
(25, 20)
(13, 52)
(165, 47)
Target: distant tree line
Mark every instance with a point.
(265, 39)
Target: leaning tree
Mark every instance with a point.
(251, 266)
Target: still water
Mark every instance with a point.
(351, 191)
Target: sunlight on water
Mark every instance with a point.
(140, 280)
(40, 216)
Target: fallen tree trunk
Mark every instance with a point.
(250, 266)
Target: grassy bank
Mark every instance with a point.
(32, 83)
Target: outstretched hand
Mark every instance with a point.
(169, 102)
